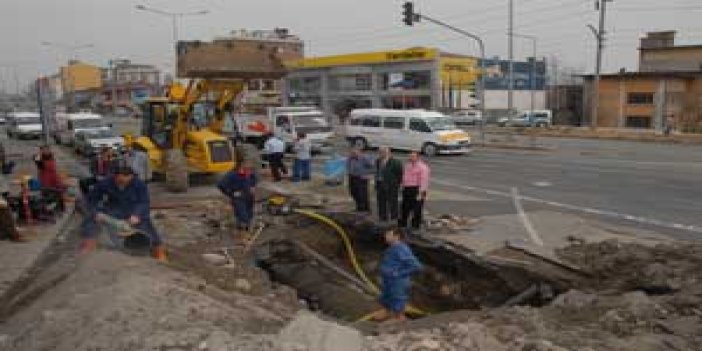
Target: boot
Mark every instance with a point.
(159, 254)
(87, 246)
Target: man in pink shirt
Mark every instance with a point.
(415, 183)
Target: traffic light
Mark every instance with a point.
(408, 13)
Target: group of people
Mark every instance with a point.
(274, 149)
(118, 193)
(391, 177)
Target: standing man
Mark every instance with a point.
(388, 177)
(120, 197)
(275, 150)
(415, 183)
(360, 170)
(303, 157)
(239, 185)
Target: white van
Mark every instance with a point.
(287, 122)
(24, 125)
(65, 126)
(429, 132)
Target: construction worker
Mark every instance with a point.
(275, 151)
(122, 197)
(388, 177)
(415, 183)
(239, 185)
(396, 269)
(52, 186)
(360, 170)
(303, 157)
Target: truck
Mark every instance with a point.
(65, 126)
(286, 123)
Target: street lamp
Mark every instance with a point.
(175, 16)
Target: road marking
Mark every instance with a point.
(525, 219)
(542, 184)
(589, 210)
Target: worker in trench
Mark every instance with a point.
(396, 270)
(118, 204)
(239, 186)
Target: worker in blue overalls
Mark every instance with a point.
(396, 269)
(239, 185)
(120, 197)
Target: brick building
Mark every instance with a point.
(666, 91)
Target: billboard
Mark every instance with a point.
(526, 75)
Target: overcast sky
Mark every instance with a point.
(117, 29)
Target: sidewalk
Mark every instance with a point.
(17, 258)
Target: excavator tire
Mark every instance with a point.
(176, 171)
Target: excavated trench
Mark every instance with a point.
(312, 259)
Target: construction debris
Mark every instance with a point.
(451, 223)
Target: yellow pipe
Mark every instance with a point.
(354, 262)
(347, 243)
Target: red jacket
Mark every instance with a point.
(48, 174)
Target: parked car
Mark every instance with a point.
(430, 132)
(88, 142)
(537, 118)
(64, 126)
(467, 117)
(24, 125)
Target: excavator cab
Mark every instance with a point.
(178, 145)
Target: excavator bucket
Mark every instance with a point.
(248, 55)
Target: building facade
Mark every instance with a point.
(398, 79)
(127, 84)
(666, 92)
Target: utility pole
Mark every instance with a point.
(599, 33)
(113, 86)
(410, 17)
(510, 57)
(532, 38)
(42, 114)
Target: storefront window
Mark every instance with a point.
(350, 82)
(406, 80)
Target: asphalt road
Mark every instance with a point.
(652, 185)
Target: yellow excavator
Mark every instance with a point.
(182, 132)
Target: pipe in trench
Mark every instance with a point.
(354, 261)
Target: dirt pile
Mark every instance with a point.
(115, 302)
(639, 298)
